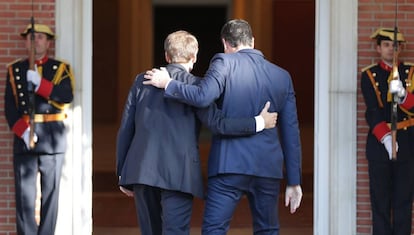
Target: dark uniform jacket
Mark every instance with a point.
(374, 86)
(157, 141)
(55, 93)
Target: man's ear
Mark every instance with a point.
(167, 58)
(225, 45)
(378, 47)
(194, 59)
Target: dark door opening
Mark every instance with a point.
(198, 21)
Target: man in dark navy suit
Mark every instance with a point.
(158, 160)
(240, 80)
(52, 92)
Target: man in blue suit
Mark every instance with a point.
(157, 147)
(240, 80)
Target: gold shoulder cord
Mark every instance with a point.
(371, 77)
(58, 78)
(410, 88)
(13, 85)
(410, 80)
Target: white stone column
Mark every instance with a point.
(335, 117)
(74, 44)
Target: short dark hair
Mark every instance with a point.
(237, 32)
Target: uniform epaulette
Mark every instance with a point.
(13, 62)
(409, 63)
(368, 67)
(62, 61)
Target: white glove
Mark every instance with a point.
(34, 77)
(387, 142)
(293, 196)
(26, 137)
(396, 87)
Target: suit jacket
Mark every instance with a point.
(241, 83)
(54, 95)
(374, 87)
(157, 142)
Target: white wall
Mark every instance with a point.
(335, 117)
(74, 44)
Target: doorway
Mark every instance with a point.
(293, 49)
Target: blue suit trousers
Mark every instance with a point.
(161, 211)
(224, 193)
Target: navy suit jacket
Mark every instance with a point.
(157, 142)
(241, 83)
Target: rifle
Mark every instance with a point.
(30, 88)
(395, 98)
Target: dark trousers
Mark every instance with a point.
(391, 191)
(26, 168)
(224, 193)
(162, 212)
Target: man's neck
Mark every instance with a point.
(41, 60)
(188, 66)
(39, 57)
(241, 47)
(389, 63)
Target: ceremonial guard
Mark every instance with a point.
(390, 159)
(35, 102)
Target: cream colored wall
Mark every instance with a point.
(335, 117)
(74, 28)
